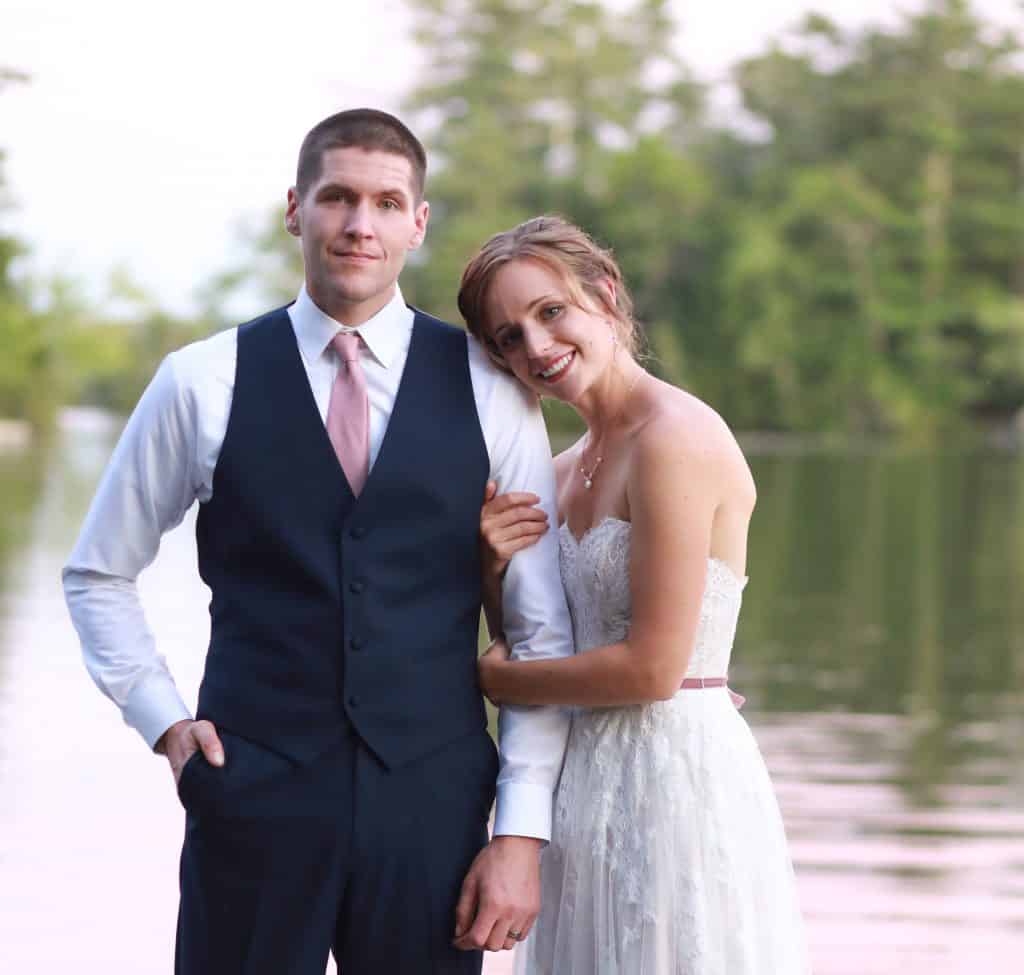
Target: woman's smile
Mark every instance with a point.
(557, 369)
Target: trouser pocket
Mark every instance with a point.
(246, 782)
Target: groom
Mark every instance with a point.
(339, 777)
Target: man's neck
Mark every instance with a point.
(349, 313)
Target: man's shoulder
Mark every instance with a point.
(497, 385)
(438, 323)
(204, 361)
(268, 319)
(490, 382)
(213, 358)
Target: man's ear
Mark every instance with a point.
(291, 213)
(422, 215)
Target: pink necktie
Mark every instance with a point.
(348, 413)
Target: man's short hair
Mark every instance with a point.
(364, 128)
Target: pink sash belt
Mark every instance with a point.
(699, 683)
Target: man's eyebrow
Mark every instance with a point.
(333, 187)
(336, 186)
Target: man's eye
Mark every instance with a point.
(390, 205)
(507, 339)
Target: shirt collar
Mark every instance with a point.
(385, 333)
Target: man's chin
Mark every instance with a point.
(349, 294)
(354, 286)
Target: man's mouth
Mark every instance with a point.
(355, 256)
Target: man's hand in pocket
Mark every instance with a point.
(184, 738)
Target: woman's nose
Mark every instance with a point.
(536, 339)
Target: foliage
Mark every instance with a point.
(846, 257)
(58, 348)
(523, 100)
(879, 271)
(108, 359)
(844, 253)
(27, 363)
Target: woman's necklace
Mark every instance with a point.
(588, 475)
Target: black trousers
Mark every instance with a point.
(283, 863)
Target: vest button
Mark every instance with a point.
(356, 586)
(357, 531)
(353, 702)
(356, 643)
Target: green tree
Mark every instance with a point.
(108, 359)
(28, 365)
(846, 256)
(536, 106)
(878, 274)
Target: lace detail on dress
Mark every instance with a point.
(668, 855)
(595, 572)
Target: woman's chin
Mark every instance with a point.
(546, 391)
(564, 388)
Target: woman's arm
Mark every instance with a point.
(674, 488)
(508, 524)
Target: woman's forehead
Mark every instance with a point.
(520, 281)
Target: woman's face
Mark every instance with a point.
(550, 344)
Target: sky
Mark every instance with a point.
(150, 136)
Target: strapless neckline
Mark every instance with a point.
(724, 567)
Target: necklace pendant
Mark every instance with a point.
(588, 483)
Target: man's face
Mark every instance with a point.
(357, 223)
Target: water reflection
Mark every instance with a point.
(882, 643)
(21, 477)
(881, 647)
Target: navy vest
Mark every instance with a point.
(331, 612)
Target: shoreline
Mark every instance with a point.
(1008, 438)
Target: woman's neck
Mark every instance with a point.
(605, 403)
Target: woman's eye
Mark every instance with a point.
(551, 311)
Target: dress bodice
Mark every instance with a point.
(595, 573)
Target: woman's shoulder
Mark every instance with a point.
(680, 428)
(680, 421)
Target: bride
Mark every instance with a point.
(668, 855)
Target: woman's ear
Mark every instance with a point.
(609, 294)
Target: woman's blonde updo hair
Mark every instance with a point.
(566, 250)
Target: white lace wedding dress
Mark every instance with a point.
(668, 855)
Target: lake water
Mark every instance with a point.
(881, 648)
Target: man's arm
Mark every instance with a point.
(149, 484)
(536, 624)
(501, 894)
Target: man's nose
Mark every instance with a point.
(359, 223)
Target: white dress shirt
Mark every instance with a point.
(165, 460)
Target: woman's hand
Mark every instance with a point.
(508, 524)
(490, 666)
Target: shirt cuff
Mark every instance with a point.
(523, 809)
(153, 706)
